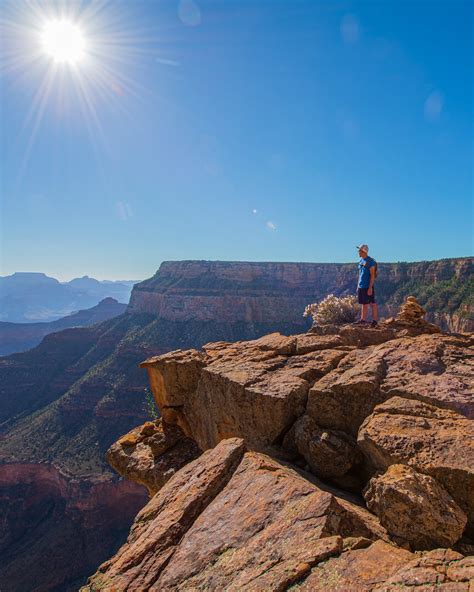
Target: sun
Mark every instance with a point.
(63, 41)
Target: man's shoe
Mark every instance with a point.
(374, 324)
(360, 322)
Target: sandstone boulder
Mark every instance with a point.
(436, 369)
(151, 454)
(343, 398)
(233, 523)
(171, 377)
(264, 524)
(436, 442)
(161, 524)
(330, 454)
(415, 508)
(254, 390)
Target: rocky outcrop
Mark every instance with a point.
(151, 454)
(432, 368)
(295, 429)
(234, 520)
(415, 508)
(254, 390)
(434, 441)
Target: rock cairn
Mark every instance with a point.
(410, 320)
(411, 312)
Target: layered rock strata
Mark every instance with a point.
(270, 293)
(54, 516)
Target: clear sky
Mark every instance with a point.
(265, 131)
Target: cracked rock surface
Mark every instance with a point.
(295, 429)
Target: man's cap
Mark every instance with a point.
(363, 248)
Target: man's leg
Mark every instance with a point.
(364, 311)
(375, 311)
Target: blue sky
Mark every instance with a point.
(264, 131)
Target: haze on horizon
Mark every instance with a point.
(258, 131)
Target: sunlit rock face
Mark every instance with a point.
(295, 430)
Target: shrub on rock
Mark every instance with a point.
(333, 310)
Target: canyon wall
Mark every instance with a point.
(266, 292)
(63, 403)
(55, 516)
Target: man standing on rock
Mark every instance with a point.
(365, 286)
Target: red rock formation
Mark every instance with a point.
(237, 291)
(152, 454)
(40, 505)
(238, 519)
(415, 508)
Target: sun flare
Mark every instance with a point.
(63, 41)
(81, 57)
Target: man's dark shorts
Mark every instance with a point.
(364, 298)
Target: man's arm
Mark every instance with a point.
(372, 280)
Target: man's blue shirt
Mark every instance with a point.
(364, 272)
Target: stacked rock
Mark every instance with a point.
(411, 312)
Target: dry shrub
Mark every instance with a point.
(333, 310)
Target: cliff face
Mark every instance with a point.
(52, 516)
(63, 403)
(272, 293)
(332, 462)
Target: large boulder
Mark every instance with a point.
(343, 398)
(436, 442)
(264, 526)
(415, 508)
(254, 390)
(172, 376)
(230, 522)
(152, 453)
(330, 454)
(161, 524)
